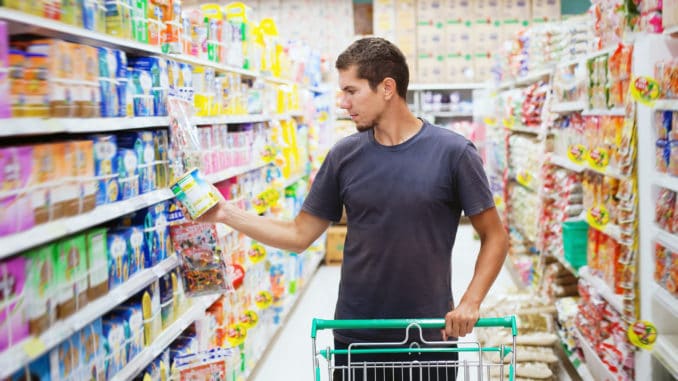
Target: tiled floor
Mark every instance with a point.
(289, 357)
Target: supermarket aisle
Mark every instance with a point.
(289, 357)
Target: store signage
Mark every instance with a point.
(645, 90)
(577, 153)
(642, 334)
(598, 217)
(599, 158)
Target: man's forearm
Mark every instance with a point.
(488, 265)
(267, 230)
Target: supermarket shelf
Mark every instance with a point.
(672, 31)
(574, 360)
(610, 230)
(665, 349)
(445, 86)
(16, 357)
(44, 233)
(665, 298)
(567, 163)
(292, 180)
(533, 77)
(280, 81)
(447, 114)
(617, 111)
(666, 104)
(593, 363)
(230, 119)
(232, 172)
(666, 181)
(584, 58)
(43, 126)
(566, 107)
(603, 289)
(668, 239)
(566, 265)
(317, 259)
(145, 357)
(26, 23)
(526, 130)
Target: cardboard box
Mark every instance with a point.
(459, 68)
(546, 10)
(482, 67)
(336, 236)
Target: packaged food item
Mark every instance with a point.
(150, 307)
(16, 211)
(195, 193)
(118, 18)
(167, 312)
(97, 263)
(664, 208)
(114, 344)
(83, 172)
(106, 168)
(92, 351)
(72, 279)
(663, 124)
(133, 321)
(663, 155)
(136, 247)
(17, 84)
(142, 143)
(12, 313)
(118, 259)
(128, 170)
(65, 359)
(673, 157)
(41, 288)
(202, 266)
(38, 369)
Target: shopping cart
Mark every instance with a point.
(491, 363)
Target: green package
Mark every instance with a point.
(97, 263)
(41, 281)
(71, 267)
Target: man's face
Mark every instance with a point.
(363, 104)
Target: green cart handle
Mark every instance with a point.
(320, 324)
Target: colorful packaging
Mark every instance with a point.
(150, 307)
(71, 267)
(36, 87)
(114, 344)
(5, 101)
(167, 312)
(142, 143)
(44, 169)
(118, 18)
(83, 172)
(157, 68)
(92, 352)
(106, 169)
(17, 86)
(65, 359)
(171, 34)
(41, 288)
(16, 212)
(97, 263)
(161, 146)
(118, 259)
(133, 319)
(195, 193)
(141, 88)
(87, 71)
(140, 20)
(62, 64)
(63, 195)
(12, 314)
(108, 70)
(136, 249)
(128, 169)
(39, 371)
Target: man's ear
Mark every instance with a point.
(390, 89)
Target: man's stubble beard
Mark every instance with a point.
(364, 128)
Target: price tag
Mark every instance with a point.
(599, 158)
(268, 154)
(34, 347)
(598, 217)
(263, 300)
(645, 90)
(524, 178)
(642, 334)
(577, 153)
(256, 253)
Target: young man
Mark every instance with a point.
(404, 183)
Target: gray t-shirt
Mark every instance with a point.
(403, 205)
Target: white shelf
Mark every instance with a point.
(533, 77)
(586, 57)
(27, 23)
(527, 130)
(292, 180)
(672, 31)
(669, 240)
(594, 365)
(666, 104)
(566, 107)
(666, 181)
(612, 231)
(567, 163)
(145, 357)
(603, 289)
(447, 114)
(232, 172)
(663, 297)
(280, 81)
(230, 119)
(15, 243)
(617, 111)
(445, 86)
(15, 358)
(665, 349)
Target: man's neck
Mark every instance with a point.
(397, 125)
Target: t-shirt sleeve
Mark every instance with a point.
(473, 188)
(323, 199)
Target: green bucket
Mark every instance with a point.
(575, 240)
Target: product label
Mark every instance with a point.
(598, 217)
(642, 334)
(645, 90)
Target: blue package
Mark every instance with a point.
(131, 314)
(114, 344)
(39, 370)
(106, 168)
(158, 70)
(143, 145)
(92, 353)
(166, 300)
(118, 258)
(121, 82)
(136, 248)
(141, 86)
(128, 174)
(156, 228)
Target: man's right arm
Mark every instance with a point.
(295, 235)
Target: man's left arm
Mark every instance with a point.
(493, 248)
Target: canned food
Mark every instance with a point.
(195, 193)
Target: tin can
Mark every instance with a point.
(195, 193)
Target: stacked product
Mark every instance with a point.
(535, 356)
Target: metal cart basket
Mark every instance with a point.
(486, 363)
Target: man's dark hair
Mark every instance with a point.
(375, 59)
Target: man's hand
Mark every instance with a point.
(460, 321)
